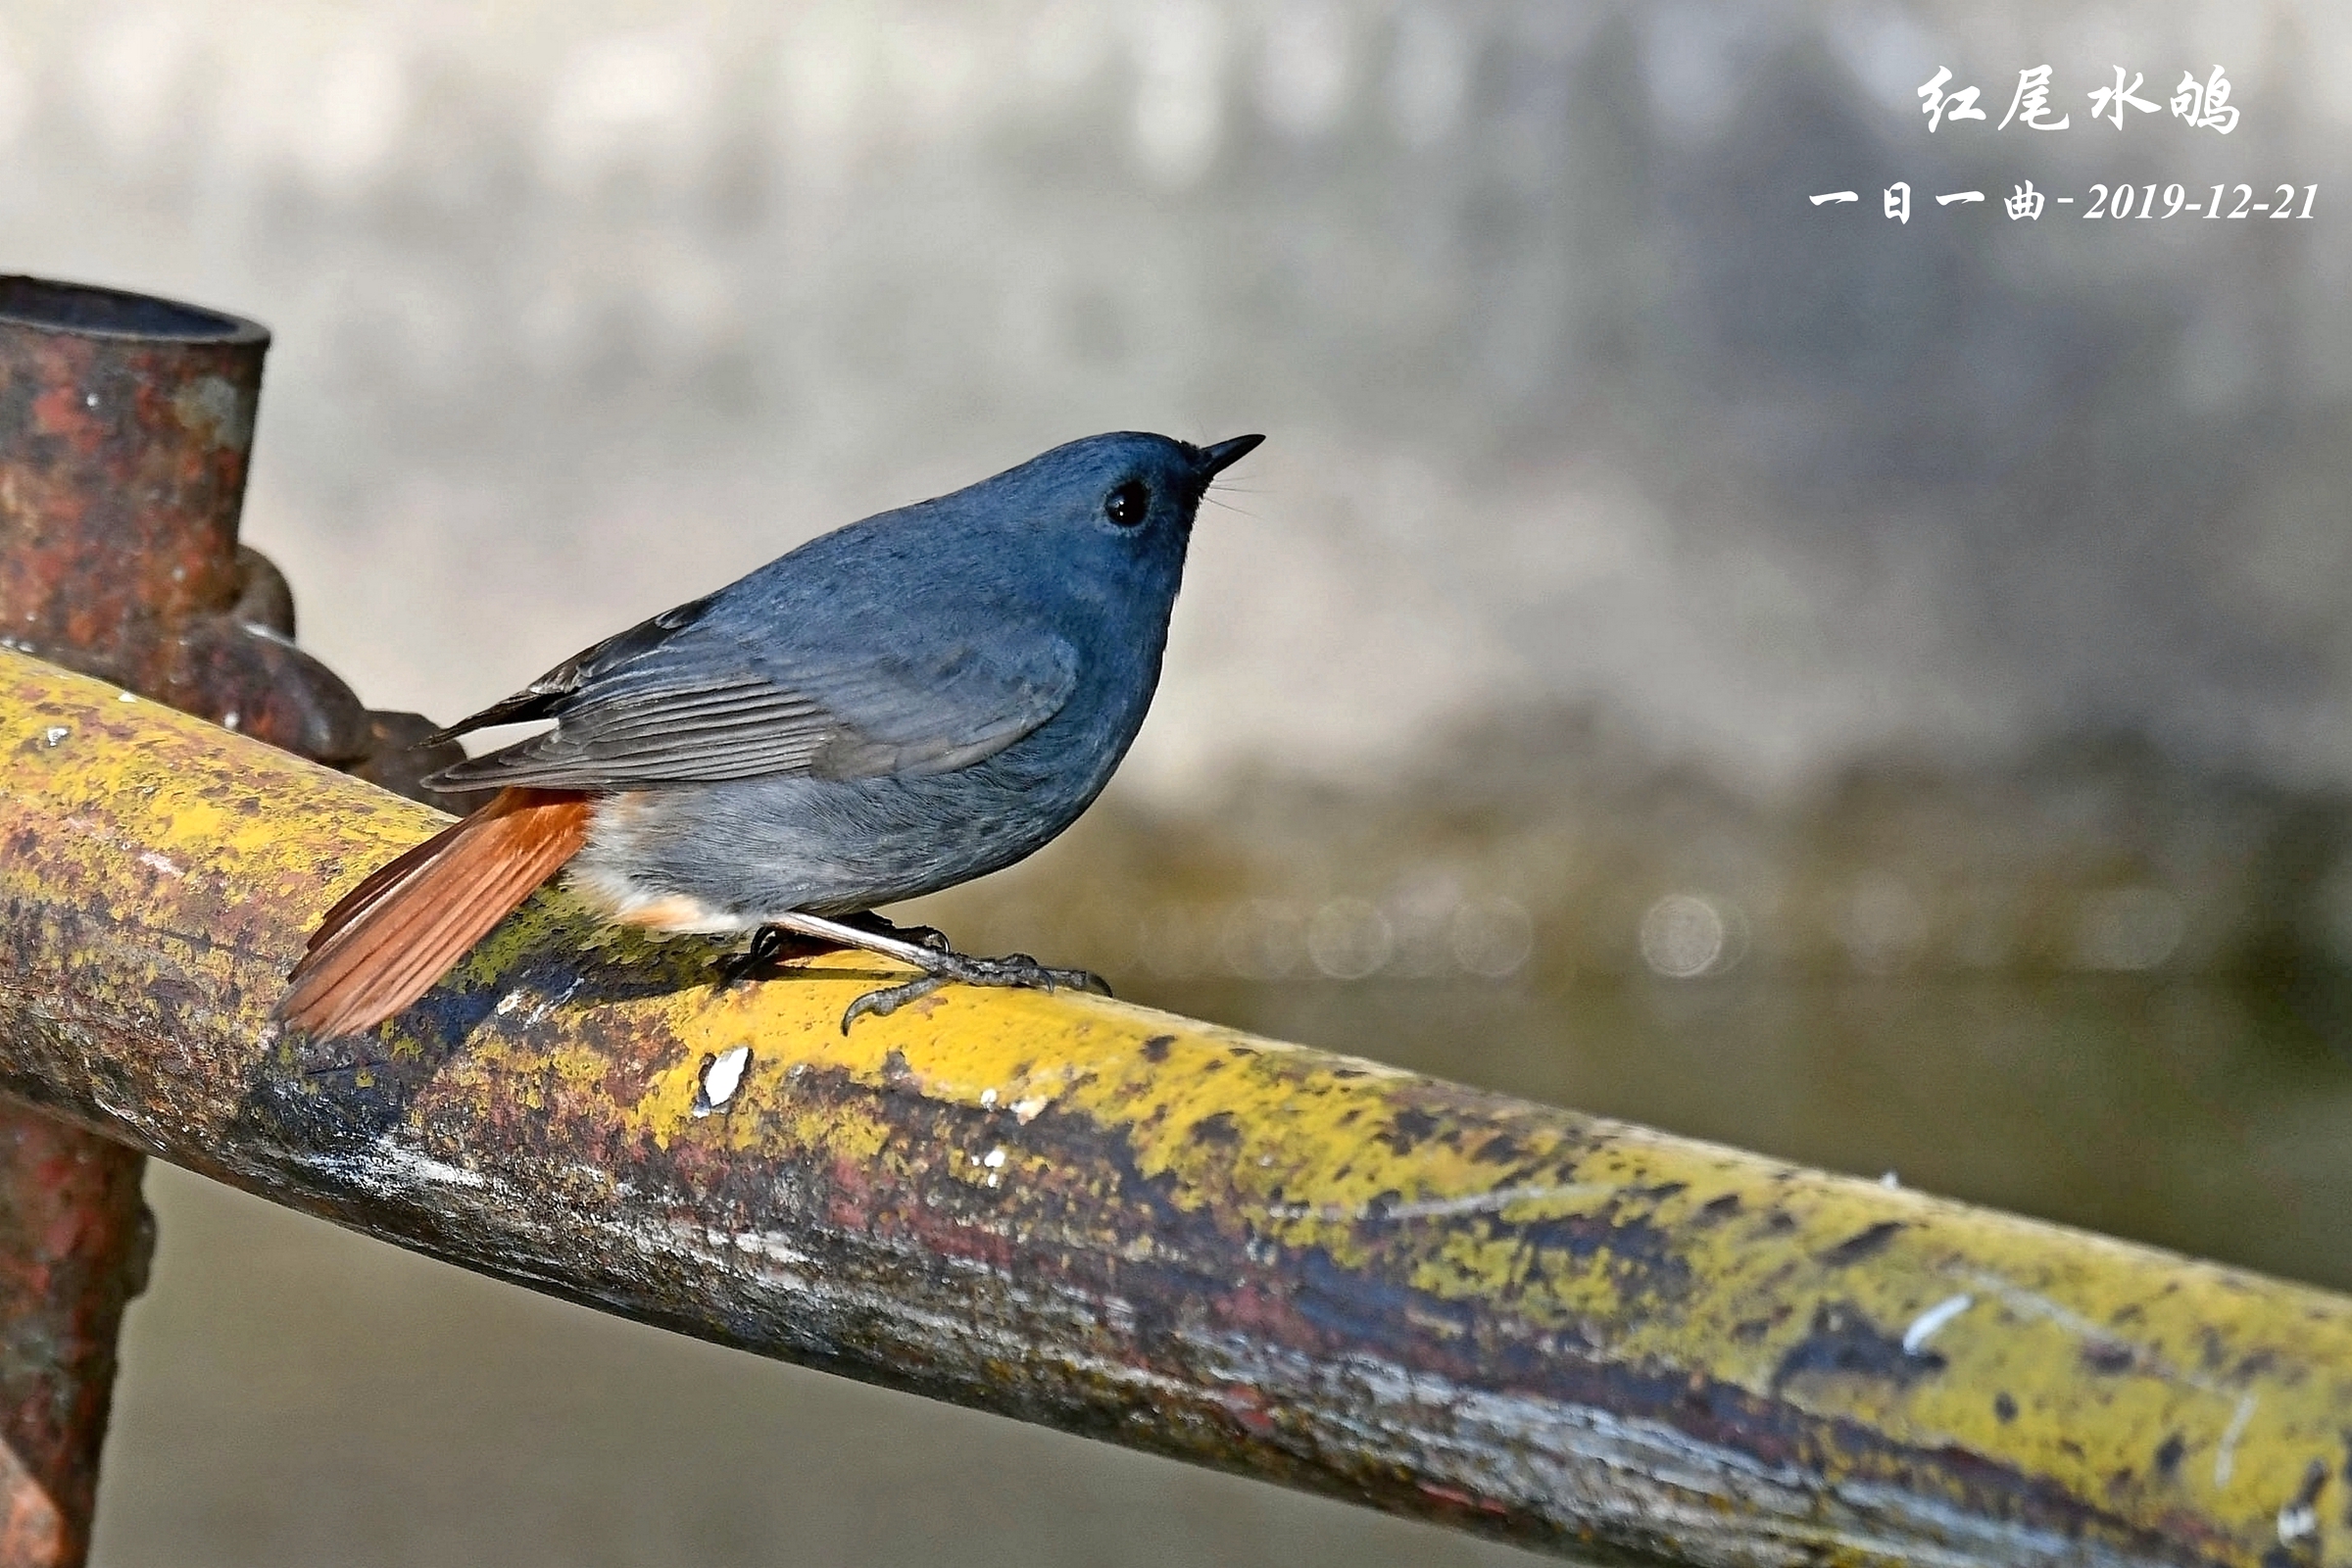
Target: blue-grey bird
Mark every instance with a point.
(910, 702)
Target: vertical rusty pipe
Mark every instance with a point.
(125, 424)
(126, 428)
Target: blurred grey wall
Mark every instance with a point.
(581, 309)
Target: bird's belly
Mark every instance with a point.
(722, 858)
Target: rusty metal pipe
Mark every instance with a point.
(1573, 1333)
(125, 434)
(126, 429)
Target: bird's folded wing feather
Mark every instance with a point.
(680, 700)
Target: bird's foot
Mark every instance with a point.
(1017, 970)
(917, 945)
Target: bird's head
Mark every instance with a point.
(1120, 505)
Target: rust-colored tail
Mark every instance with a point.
(396, 933)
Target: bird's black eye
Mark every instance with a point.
(1127, 505)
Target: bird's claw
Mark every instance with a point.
(1021, 969)
(889, 999)
(1015, 969)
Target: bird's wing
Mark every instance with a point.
(680, 699)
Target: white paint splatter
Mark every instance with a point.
(2225, 1458)
(541, 1011)
(721, 1076)
(773, 1246)
(988, 1099)
(155, 861)
(1927, 1324)
(1025, 1110)
(402, 1160)
(54, 735)
(995, 1158)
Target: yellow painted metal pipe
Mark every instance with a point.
(1574, 1333)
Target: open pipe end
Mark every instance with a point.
(87, 311)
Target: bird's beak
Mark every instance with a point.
(1225, 454)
